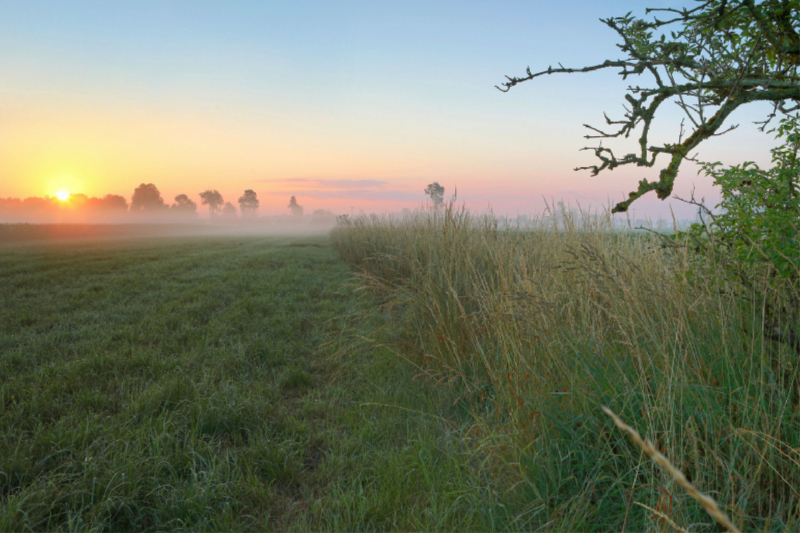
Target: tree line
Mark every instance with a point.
(146, 199)
(146, 202)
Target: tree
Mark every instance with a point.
(147, 198)
(109, 203)
(295, 208)
(229, 210)
(213, 200)
(709, 60)
(115, 202)
(248, 202)
(436, 193)
(184, 206)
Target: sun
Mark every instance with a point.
(62, 195)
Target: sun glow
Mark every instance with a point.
(62, 195)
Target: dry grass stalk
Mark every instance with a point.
(647, 447)
(664, 517)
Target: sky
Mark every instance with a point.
(349, 105)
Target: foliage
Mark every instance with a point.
(436, 193)
(709, 60)
(248, 202)
(213, 199)
(146, 197)
(757, 232)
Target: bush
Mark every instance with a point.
(756, 236)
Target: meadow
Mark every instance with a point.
(437, 372)
(539, 327)
(214, 383)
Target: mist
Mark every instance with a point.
(147, 214)
(102, 218)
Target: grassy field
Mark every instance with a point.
(252, 383)
(540, 326)
(217, 383)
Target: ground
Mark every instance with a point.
(213, 383)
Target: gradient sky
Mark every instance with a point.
(344, 104)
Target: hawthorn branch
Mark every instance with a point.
(727, 54)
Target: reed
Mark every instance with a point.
(537, 326)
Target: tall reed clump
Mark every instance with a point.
(538, 326)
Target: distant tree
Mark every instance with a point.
(36, 205)
(10, 206)
(82, 203)
(213, 200)
(436, 193)
(147, 198)
(248, 202)
(114, 202)
(78, 199)
(229, 210)
(295, 208)
(184, 206)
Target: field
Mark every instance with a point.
(431, 373)
(213, 383)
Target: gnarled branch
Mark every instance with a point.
(726, 53)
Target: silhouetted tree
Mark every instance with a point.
(248, 202)
(213, 200)
(147, 198)
(35, 204)
(184, 206)
(115, 202)
(229, 210)
(295, 208)
(79, 200)
(436, 192)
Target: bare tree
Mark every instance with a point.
(709, 60)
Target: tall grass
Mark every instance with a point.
(538, 326)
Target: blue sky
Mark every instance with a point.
(98, 97)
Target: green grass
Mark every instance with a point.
(539, 327)
(211, 383)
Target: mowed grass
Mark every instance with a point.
(212, 384)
